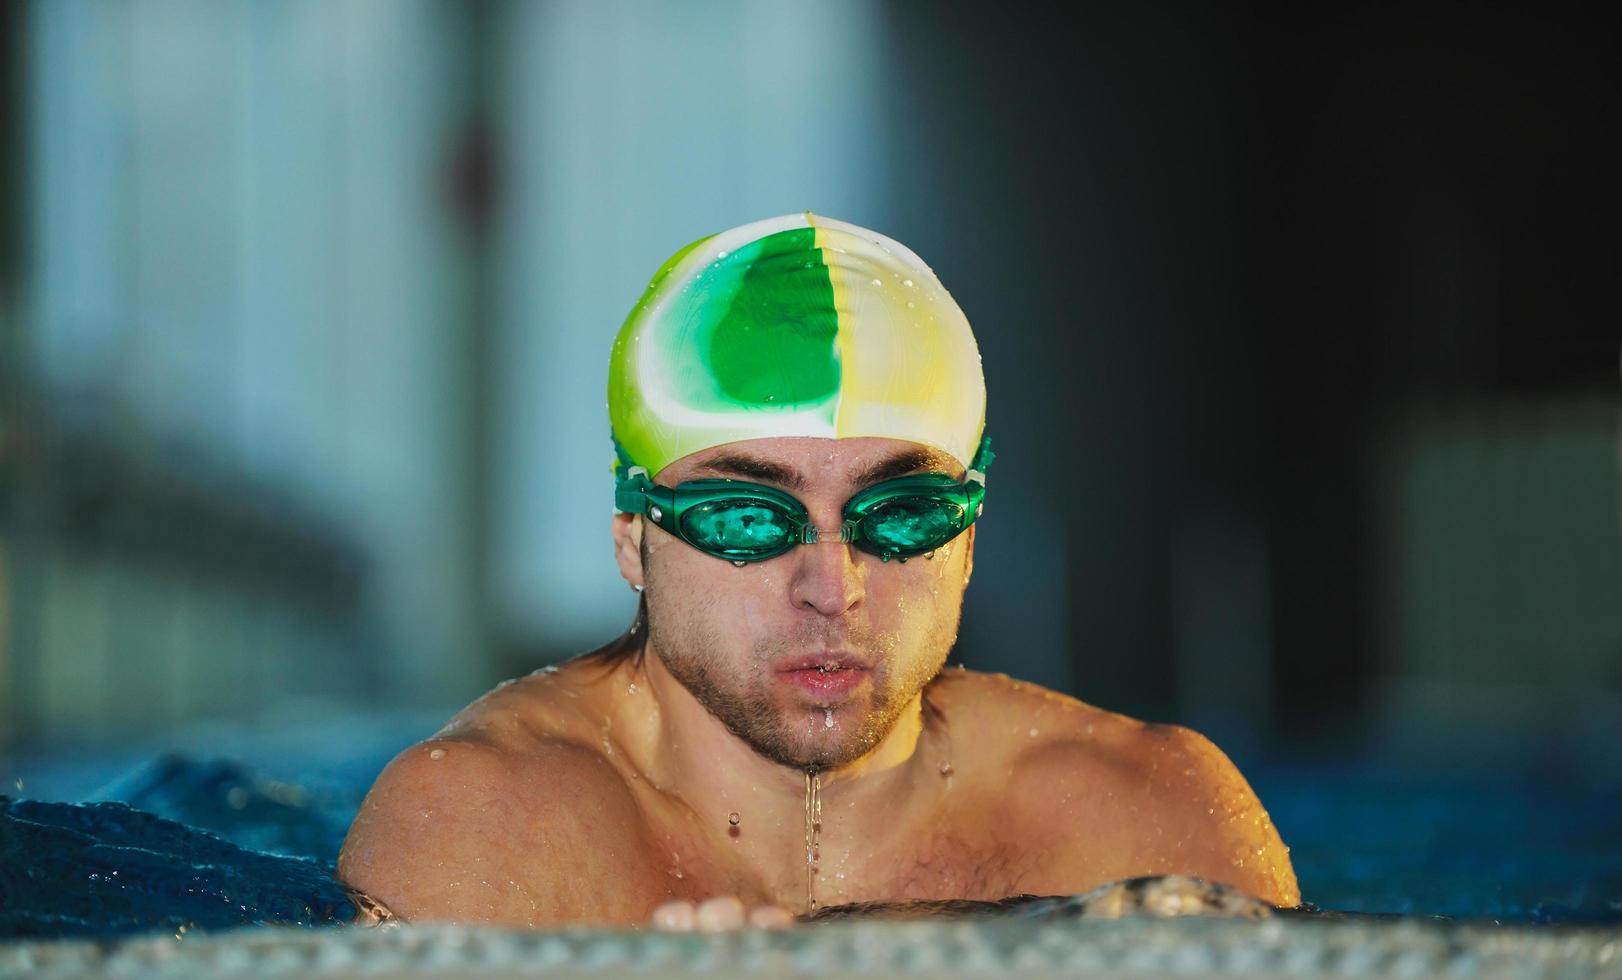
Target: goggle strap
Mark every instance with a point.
(630, 491)
(983, 458)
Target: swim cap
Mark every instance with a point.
(793, 326)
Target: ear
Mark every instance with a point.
(628, 547)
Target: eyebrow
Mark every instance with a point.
(737, 464)
(909, 461)
(901, 464)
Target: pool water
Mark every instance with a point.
(182, 842)
(1515, 848)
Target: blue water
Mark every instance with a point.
(198, 845)
(213, 844)
(1366, 838)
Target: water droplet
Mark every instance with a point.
(911, 304)
(732, 818)
(813, 830)
(739, 564)
(437, 754)
(630, 688)
(1033, 733)
(877, 283)
(907, 283)
(946, 769)
(827, 717)
(721, 255)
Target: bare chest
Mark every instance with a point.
(943, 862)
(919, 856)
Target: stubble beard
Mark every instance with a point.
(739, 695)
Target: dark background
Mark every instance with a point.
(1290, 238)
(1300, 334)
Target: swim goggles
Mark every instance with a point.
(745, 522)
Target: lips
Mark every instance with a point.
(829, 661)
(827, 676)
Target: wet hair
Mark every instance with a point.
(631, 645)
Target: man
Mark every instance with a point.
(798, 412)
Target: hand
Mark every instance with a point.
(370, 912)
(1169, 895)
(723, 913)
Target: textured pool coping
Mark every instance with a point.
(1139, 947)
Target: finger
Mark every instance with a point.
(770, 917)
(674, 917)
(720, 914)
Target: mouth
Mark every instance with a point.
(831, 675)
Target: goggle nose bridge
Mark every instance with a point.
(843, 534)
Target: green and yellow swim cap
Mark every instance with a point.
(793, 326)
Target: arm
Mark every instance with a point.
(459, 830)
(1231, 838)
(1147, 800)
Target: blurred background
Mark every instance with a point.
(1301, 338)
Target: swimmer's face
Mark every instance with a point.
(776, 648)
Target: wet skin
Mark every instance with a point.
(604, 789)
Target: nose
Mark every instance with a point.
(827, 578)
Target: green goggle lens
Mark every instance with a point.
(909, 526)
(747, 529)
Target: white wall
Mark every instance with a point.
(637, 128)
(242, 246)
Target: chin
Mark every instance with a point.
(853, 735)
(800, 741)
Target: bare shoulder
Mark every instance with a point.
(1019, 716)
(485, 821)
(1115, 797)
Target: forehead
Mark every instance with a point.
(809, 460)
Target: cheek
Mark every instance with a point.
(679, 584)
(752, 612)
(918, 591)
(702, 587)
